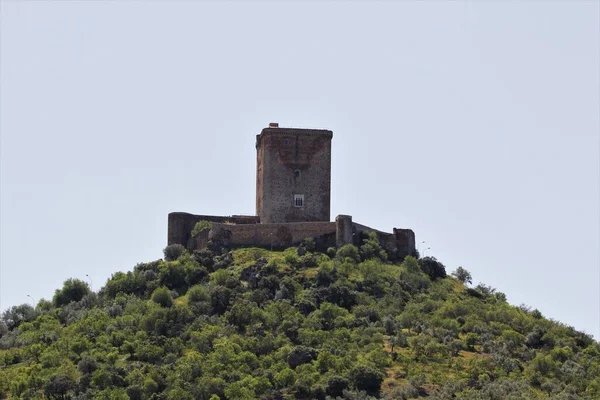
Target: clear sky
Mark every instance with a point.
(475, 124)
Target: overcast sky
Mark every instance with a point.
(474, 124)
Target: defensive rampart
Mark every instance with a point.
(238, 231)
(180, 225)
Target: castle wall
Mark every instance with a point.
(240, 230)
(344, 230)
(405, 240)
(401, 242)
(273, 235)
(281, 152)
(180, 225)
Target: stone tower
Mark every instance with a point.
(293, 174)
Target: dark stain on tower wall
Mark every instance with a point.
(293, 175)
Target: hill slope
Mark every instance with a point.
(293, 324)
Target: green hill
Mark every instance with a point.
(293, 324)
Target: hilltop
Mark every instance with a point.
(250, 323)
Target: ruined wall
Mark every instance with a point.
(405, 240)
(400, 243)
(280, 153)
(180, 225)
(273, 235)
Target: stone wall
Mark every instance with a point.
(289, 162)
(271, 235)
(400, 243)
(238, 230)
(180, 224)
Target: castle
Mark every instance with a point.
(293, 197)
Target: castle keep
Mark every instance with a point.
(293, 174)
(293, 197)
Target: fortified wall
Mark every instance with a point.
(245, 231)
(293, 197)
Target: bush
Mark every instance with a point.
(367, 379)
(172, 275)
(307, 244)
(173, 251)
(463, 275)
(336, 386)
(58, 386)
(331, 252)
(301, 355)
(432, 267)
(73, 290)
(200, 226)
(162, 296)
(204, 257)
(198, 294)
(348, 251)
(371, 248)
(194, 273)
(14, 316)
(87, 365)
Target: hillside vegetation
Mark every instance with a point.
(293, 324)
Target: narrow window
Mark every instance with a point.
(298, 200)
(297, 174)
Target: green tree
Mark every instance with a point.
(162, 296)
(59, 386)
(366, 378)
(72, 290)
(463, 275)
(348, 252)
(173, 251)
(432, 267)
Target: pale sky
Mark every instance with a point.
(474, 124)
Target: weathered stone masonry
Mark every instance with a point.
(291, 163)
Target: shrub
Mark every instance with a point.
(162, 296)
(463, 275)
(432, 267)
(14, 316)
(198, 294)
(371, 248)
(348, 251)
(336, 386)
(411, 264)
(204, 257)
(194, 273)
(301, 355)
(331, 252)
(172, 275)
(285, 377)
(200, 226)
(173, 251)
(72, 290)
(367, 379)
(87, 365)
(58, 386)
